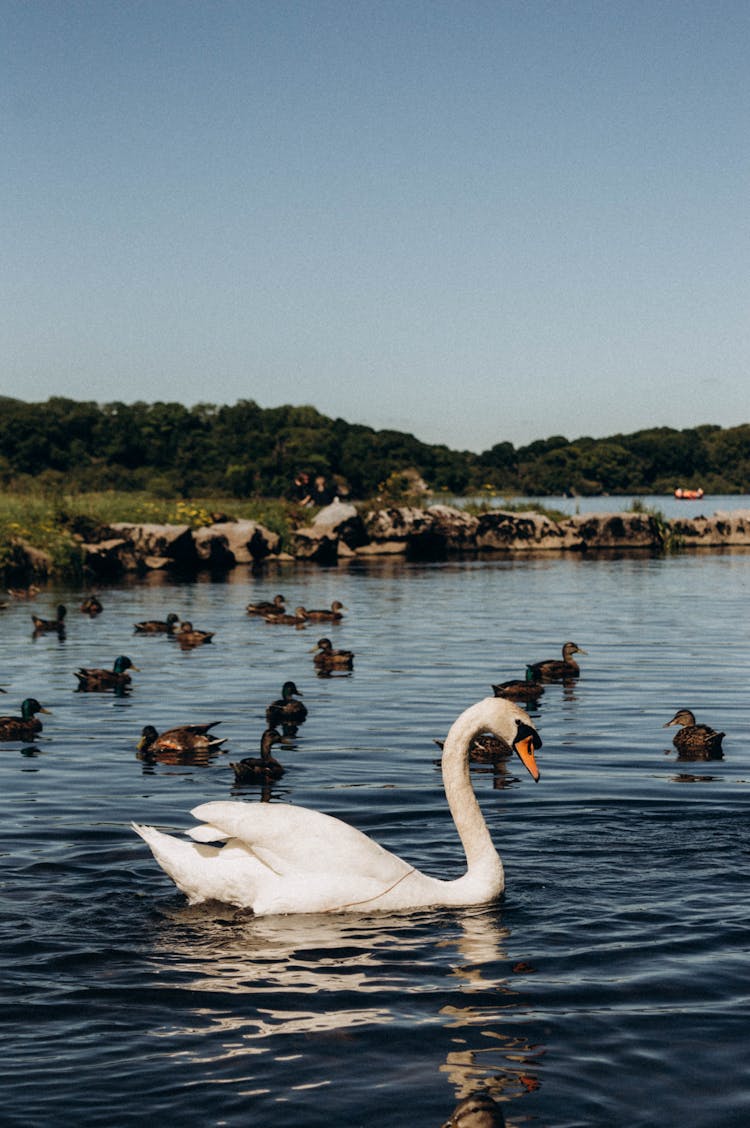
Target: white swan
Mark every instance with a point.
(278, 858)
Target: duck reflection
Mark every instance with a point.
(476, 1111)
(174, 757)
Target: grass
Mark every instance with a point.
(56, 522)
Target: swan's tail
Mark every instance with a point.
(187, 863)
(202, 872)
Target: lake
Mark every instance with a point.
(609, 985)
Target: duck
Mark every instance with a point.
(322, 614)
(25, 727)
(260, 769)
(95, 680)
(526, 689)
(693, 741)
(183, 738)
(297, 619)
(285, 711)
(157, 626)
(283, 858)
(485, 749)
(58, 624)
(553, 669)
(275, 606)
(92, 605)
(477, 1111)
(188, 635)
(30, 592)
(326, 658)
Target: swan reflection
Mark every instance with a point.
(322, 975)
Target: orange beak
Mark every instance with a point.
(524, 746)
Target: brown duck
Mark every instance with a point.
(285, 711)
(260, 769)
(188, 635)
(158, 626)
(324, 615)
(275, 606)
(297, 618)
(41, 626)
(183, 738)
(553, 669)
(326, 658)
(92, 605)
(695, 742)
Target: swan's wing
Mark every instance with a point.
(297, 841)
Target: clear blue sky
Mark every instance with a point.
(474, 221)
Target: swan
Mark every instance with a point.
(279, 858)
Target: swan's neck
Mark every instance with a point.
(467, 815)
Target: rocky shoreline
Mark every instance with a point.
(340, 532)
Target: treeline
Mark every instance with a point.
(245, 450)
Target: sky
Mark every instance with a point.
(474, 221)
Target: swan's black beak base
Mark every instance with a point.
(527, 740)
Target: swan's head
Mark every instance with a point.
(507, 720)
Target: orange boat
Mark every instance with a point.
(688, 495)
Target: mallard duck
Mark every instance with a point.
(92, 605)
(260, 769)
(297, 619)
(282, 858)
(553, 669)
(58, 624)
(695, 742)
(517, 690)
(29, 592)
(486, 749)
(476, 1111)
(25, 727)
(183, 738)
(188, 635)
(158, 626)
(285, 711)
(95, 680)
(320, 614)
(326, 658)
(277, 605)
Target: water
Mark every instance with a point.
(667, 504)
(609, 986)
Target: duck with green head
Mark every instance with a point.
(92, 679)
(528, 689)
(25, 727)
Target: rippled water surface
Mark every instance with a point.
(608, 987)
